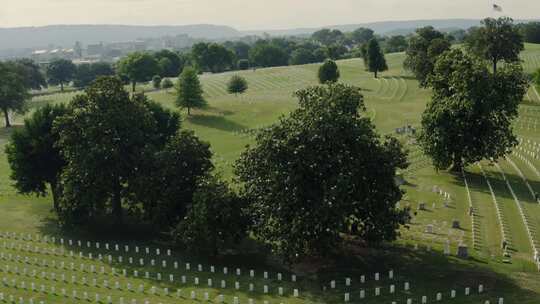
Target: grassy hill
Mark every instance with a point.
(500, 196)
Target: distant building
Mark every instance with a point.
(95, 49)
(43, 56)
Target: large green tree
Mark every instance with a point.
(268, 55)
(321, 172)
(424, 47)
(470, 115)
(530, 31)
(34, 156)
(189, 93)
(60, 72)
(496, 40)
(103, 140)
(328, 72)
(138, 67)
(170, 63)
(86, 73)
(397, 43)
(302, 56)
(170, 179)
(362, 35)
(13, 89)
(215, 221)
(327, 36)
(212, 57)
(32, 74)
(375, 58)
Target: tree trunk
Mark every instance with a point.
(54, 192)
(457, 166)
(188, 112)
(133, 84)
(61, 86)
(117, 203)
(375, 73)
(494, 66)
(6, 117)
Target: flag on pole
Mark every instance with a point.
(497, 8)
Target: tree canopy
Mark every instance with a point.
(212, 57)
(362, 35)
(328, 72)
(60, 72)
(424, 48)
(138, 67)
(170, 63)
(86, 73)
(237, 85)
(33, 153)
(530, 31)
(103, 141)
(189, 93)
(375, 58)
(496, 40)
(470, 115)
(215, 221)
(13, 89)
(321, 172)
(302, 56)
(267, 55)
(172, 174)
(33, 75)
(327, 36)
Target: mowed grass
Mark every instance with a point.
(394, 100)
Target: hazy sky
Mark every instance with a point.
(250, 14)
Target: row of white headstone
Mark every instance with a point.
(12, 299)
(472, 211)
(89, 245)
(141, 262)
(376, 277)
(438, 297)
(97, 297)
(522, 213)
(51, 276)
(500, 215)
(528, 162)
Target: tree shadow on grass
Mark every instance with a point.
(216, 122)
(429, 272)
(218, 111)
(478, 183)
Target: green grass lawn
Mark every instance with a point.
(394, 100)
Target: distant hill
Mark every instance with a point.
(67, 35)
(382, 27)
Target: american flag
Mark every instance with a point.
(497, 8)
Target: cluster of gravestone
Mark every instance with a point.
(32, 259)
(408, 129)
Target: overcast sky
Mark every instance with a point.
(250, 14)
